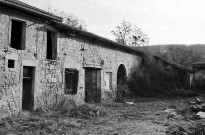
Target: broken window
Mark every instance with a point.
(51, 45)
(18, 30)
(71, 81)
(11, 63)
(108, 80)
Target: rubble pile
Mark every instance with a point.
(198, 108)
(194, 113)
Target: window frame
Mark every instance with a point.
(12, 62)
(110, 81)
(73, 82)
(13, 57)
(23, 33)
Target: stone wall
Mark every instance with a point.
(86, 51)
(72, 52)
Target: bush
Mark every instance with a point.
(181, 93)
(122, 92)
(151, 79)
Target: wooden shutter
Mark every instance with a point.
(23, 36)
(71, 81)
(9, 35)
(75, 81)
(54, 45)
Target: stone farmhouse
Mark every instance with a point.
(43, 60)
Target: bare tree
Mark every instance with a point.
(183, 55)
(129, 34)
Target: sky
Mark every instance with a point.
(165, 21)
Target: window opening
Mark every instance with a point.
(11, 63)
(18, 34)
(51, 45)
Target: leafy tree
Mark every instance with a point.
(69, 19)
(129, 34)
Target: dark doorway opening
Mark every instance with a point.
(121, 81)
(121, 75)
(28, 88)
(92, 85)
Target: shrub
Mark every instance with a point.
(181, 93)
(122, 92)
(151, 79)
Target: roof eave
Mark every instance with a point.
(31, 11)
(174, 64)
(91, 35)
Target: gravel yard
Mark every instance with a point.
(146, 117)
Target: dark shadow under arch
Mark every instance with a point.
(121, 82)
(121, 75)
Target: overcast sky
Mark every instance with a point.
(165, 21)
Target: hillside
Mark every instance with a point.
(163, 49)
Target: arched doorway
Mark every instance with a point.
(121, 81)
(121, 75)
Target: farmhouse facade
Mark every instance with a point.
(43, 60)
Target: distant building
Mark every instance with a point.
(198, 78)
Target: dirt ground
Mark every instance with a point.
(146, 117)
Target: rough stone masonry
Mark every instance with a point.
(34, 73)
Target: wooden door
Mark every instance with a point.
(92, 85)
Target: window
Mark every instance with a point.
(108, 80)
(11, 63)
(71, 81)
(51, 45)
(18, 32)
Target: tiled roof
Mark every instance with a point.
(18, 5)
(108, 42)
(200, 64)
(173, 64)
(57, 21)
